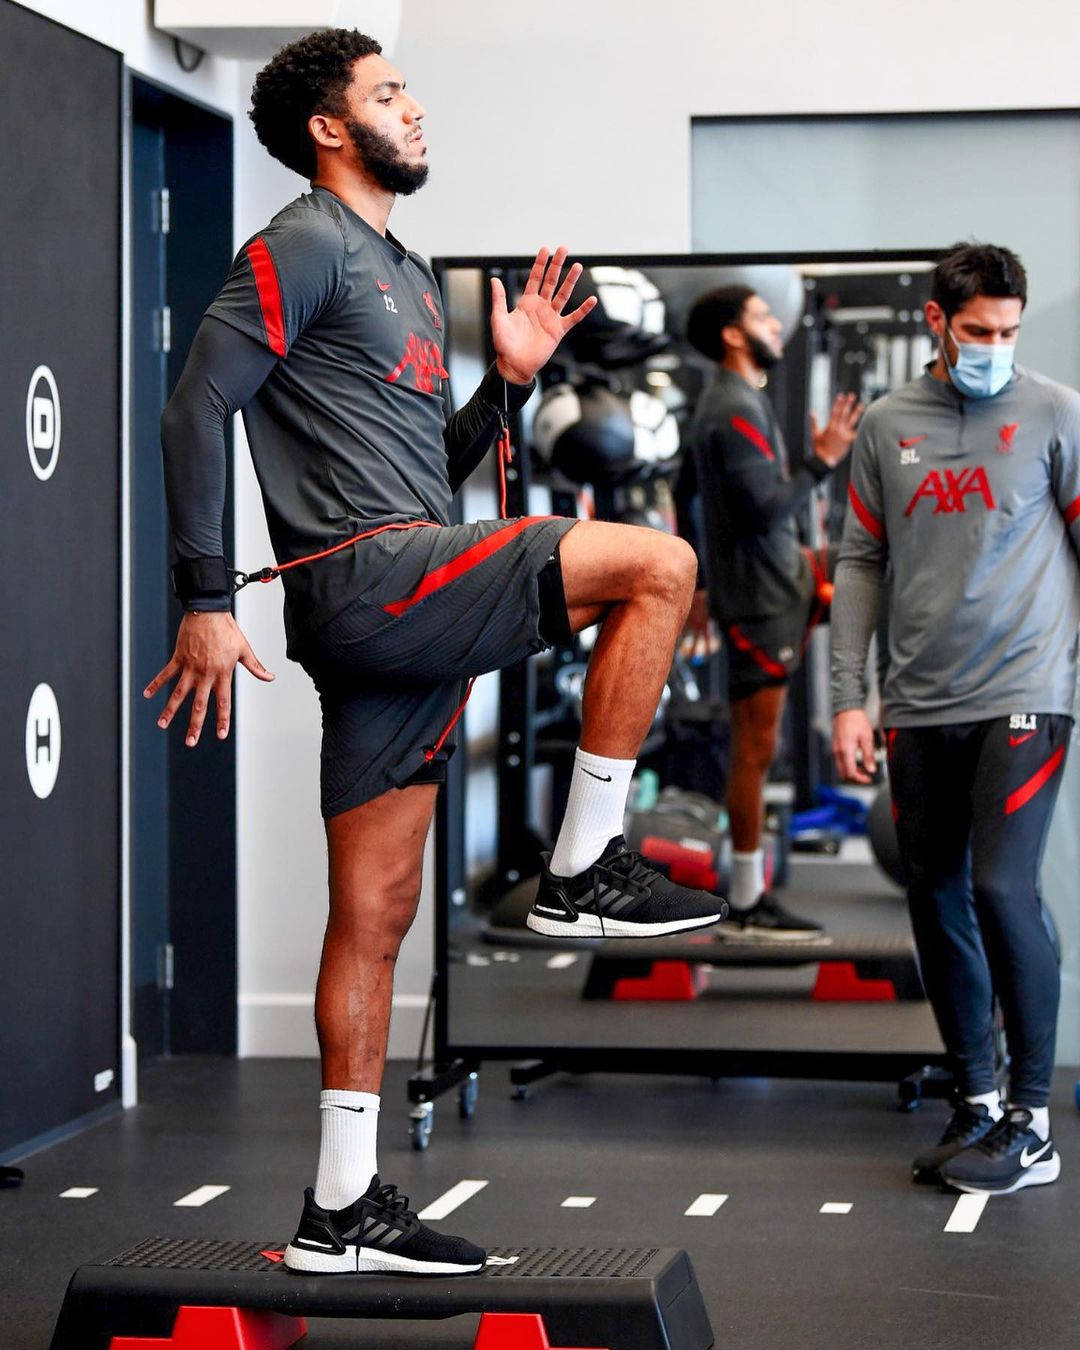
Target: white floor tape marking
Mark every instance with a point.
(705, 1206)
(78, 1192)
(835, 1207)
(966, 1213)
(201, 1196)
(578, 1201)
(454, 1197)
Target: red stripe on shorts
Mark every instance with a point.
(1015, 800)
(866, 517)
(760, 657)
(266, 283)
(464, 562)
(1072, 511)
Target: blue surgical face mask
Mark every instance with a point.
(982, 369)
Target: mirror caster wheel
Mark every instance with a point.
(421, 1120)
(467, 1095)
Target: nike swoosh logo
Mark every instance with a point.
(1026, 1158)
(1019, 740)
(602, 777)
(382, 285)
(911, 440)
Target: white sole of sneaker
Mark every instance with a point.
(589, 926)
(366, 1260)
(728, 934)
(1038, 1174)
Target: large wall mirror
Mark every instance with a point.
(603, 437)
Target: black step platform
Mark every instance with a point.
(612, 959)
(622, 1298)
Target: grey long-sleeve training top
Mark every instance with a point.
(974, 505)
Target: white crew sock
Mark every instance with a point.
(747, 879)
(992, 1102)
(1040, 1118)
(594, 811)
(350, 1122)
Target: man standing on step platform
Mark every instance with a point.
(966, 483)
(328, 334)
(764, 589)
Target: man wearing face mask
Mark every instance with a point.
(764, 589)
(967, 482)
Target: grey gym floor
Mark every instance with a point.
(775, 1271)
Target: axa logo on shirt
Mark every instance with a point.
(948, 490)
(425, 357)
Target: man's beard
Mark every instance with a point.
(763, 355)
(384, 162)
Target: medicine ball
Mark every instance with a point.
(627, 324)
(881, 829)
(586, 434)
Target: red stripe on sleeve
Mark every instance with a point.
(1072, 511)
(266, 283)
(756, 439)
(464, 562)
(867, 519)
(1015, 800)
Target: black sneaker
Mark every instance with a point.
(620, 895)
(1007, 1158)
(768, 921)
(967, 1125)
(378, 1232)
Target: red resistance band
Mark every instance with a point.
(505, 453)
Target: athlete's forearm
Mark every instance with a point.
(765, 503)
(854, 617)
(223, 371)
(471, 431)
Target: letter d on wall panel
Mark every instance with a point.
(60, 526)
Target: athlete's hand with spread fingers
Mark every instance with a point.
(525, 336)
(208, 648)
(853, 746)
(833, 441)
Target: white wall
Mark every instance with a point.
(124, 25)
(572, 124)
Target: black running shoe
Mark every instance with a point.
(378, 1232)
(620, 895)
(967, 1125)
(1005, 1159)
(768, 921)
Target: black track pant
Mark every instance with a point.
(973, 803)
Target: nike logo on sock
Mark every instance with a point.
(603, 777)
(1026, 1158)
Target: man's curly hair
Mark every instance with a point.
(306, 77)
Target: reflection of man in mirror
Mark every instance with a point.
(328, 334)
(764, 589)
(967, 482)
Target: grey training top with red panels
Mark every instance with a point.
(754, 563)
(974, 505)
(347, 431)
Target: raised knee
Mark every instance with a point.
(673, 570)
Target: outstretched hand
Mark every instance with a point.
(833, 441)
(208, 648)
(526, 336)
